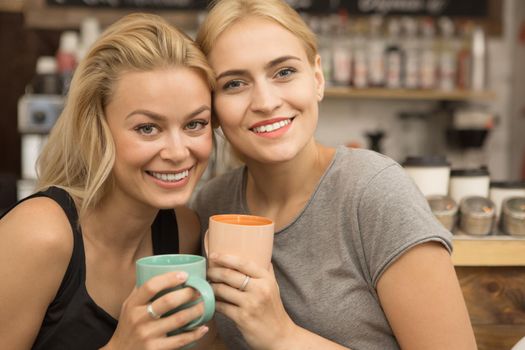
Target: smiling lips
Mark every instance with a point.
(170, 177)
(272, 127)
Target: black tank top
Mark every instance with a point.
(73, 320)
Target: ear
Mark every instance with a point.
(319, 78)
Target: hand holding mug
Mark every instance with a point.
(255, 306)
(247, 236)
(137, 328)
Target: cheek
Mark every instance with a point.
(228, 110)
(130, 153)
(303, 93)
(202, 146)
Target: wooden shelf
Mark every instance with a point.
(488, 251)
(405, 94)
(37, 14)
(11, 5)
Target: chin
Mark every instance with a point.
(170, 202)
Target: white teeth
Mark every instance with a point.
(271, 127)
(170, 177)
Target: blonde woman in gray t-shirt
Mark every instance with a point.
(358, 262)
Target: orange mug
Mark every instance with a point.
(247, 236)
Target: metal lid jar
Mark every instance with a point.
(513, 216)
(445, 209)
(477, 215)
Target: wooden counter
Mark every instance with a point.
(488, 251)
(491, 272)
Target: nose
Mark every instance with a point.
(174, 148)
(265, 97)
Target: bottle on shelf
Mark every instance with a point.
(322, 26)
(394, 56)
(428, 67)
(447, 55)
(464, 61)
(376, 52)
(479, 59)
(46, 79)
(342, 51)
(66, 57)
(412, 53)
(360, 55)
(89, 32)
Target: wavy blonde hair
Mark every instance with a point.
(80, 153)
(223, 13)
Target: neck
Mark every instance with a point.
(277, 185)
(119, 225)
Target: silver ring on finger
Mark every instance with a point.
(152, 312)
(244, 284)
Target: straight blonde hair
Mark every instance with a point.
(79, 154)
(223, 13)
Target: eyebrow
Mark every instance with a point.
(160, 117)
(270, 64)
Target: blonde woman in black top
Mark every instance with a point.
(131, 144)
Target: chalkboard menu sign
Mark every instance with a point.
(466, 8)
(138, 4)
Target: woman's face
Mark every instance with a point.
(160, 122)
(267, 91)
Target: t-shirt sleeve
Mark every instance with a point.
(393, 217)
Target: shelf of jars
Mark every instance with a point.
(408, 94)
(496, 250)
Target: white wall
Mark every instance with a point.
(516, 13)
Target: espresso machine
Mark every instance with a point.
(37, 113)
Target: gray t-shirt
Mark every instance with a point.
(364, 214)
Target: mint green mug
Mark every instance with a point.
(195, 267)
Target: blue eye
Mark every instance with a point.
(147, 129)
(197, 124)
(286, 72)
(233, 84)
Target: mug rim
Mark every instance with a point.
(233, 219)
(149, 260)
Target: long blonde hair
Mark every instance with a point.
(223, 13)
(80, 153)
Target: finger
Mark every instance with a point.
(178, 341)
(179, 319)
(228, 310)
(228, 294)
(172, 300)
(159, 283)
(228, 276)
(234, 262)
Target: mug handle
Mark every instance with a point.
(204, 288)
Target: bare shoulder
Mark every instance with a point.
(422, 299)
(38, 223)
(35, 248)
(189, 230)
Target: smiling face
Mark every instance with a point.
(160, 123)
(267, 91)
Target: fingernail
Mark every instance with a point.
(182, 275)
(213, 255)
(204, 329)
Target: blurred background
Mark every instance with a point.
(438, 85)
